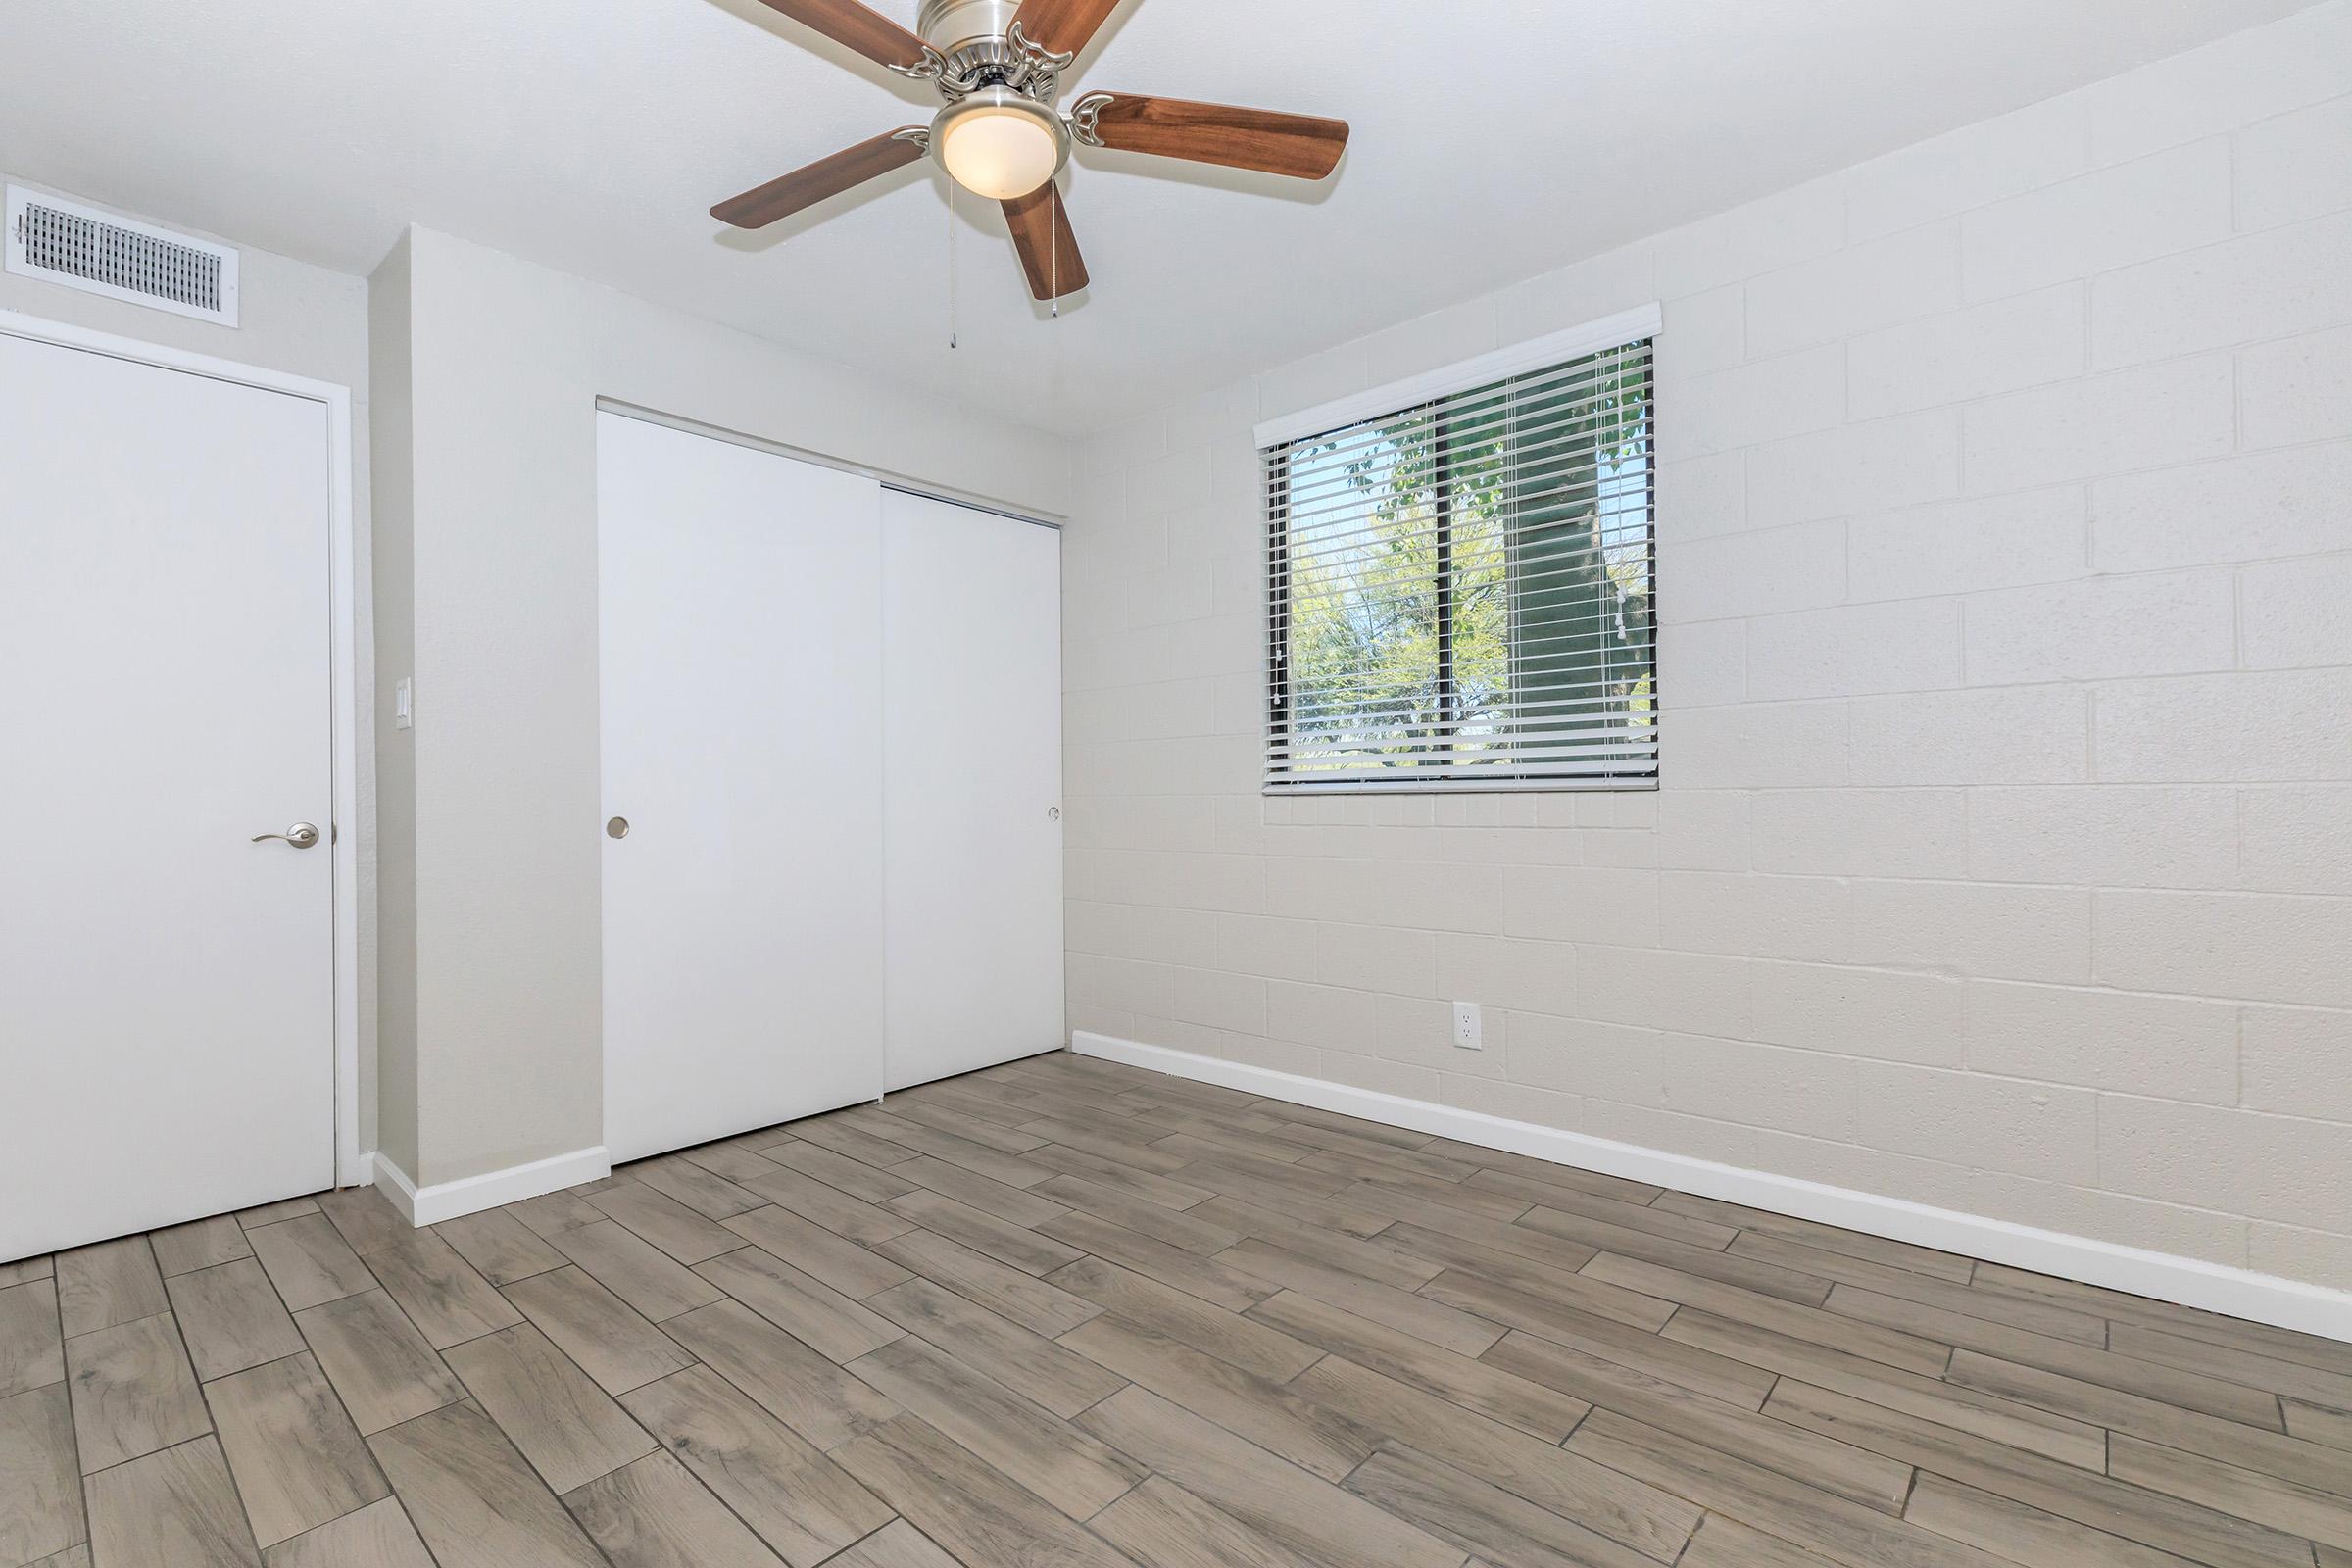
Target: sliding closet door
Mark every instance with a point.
(741, 599)
(972, 781)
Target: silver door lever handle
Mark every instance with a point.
(301, 835)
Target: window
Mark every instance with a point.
(1460, 592)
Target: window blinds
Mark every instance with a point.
(1461, 593)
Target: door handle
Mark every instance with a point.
(301, 835)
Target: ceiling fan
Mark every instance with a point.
(999, 65)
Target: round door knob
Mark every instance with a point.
(618, 828)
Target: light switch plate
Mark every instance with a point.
(404, 705)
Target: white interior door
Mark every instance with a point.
(166, 987)
(741, 597)
(972, 779)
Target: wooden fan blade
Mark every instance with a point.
(1298, 145)
(856, 27)
(1063, 26)
(1041, 232)
(827, 176)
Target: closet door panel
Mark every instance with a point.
(742, 682)
(973, 786)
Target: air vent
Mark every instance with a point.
(99, 253)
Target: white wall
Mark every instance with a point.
(302, 321)
(505, 362)
(394, 777)
(2003, 855)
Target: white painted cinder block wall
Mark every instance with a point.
(2002, 860)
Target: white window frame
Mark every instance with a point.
(1402, 396)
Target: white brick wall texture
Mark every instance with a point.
(2002, 854)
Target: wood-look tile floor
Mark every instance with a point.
(1063, 1314)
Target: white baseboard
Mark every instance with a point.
(2210, 1287)
(470, 1195)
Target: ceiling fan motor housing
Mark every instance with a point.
(987, 76)
(968, 34)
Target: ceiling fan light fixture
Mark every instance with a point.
(1000, 144)
(998, 63)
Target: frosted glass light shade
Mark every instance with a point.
(998, 150)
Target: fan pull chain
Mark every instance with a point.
(1053, 264)
(953, 305)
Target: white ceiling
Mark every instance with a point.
(1495, 139)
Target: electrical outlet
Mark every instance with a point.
(1468, 1029)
